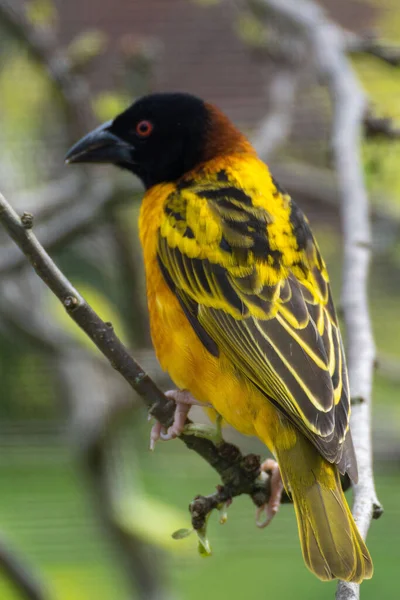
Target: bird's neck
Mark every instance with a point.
(222, 138)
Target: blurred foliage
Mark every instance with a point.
(85, 47)
(31, 117)
(382, 84)
(26, 382)
(151, 519)
(251, 30)
(381, 156)
(387, 19)
(24, 124)
(381, 159)
(42, 13)
(108, 104)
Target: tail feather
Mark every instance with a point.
(331, 543)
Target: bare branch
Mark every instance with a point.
(60, 214)
(23, 579)
(225, 458)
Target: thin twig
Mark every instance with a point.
(94, 395)
(382, 127)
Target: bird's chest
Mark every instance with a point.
(177, 347)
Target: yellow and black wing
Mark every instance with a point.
(253, 285)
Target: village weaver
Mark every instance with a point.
(241, 311)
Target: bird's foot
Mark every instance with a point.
(271, 508)
(184, 401)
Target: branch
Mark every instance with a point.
(383, 127)
(275, 127)
(239, 474)
(328, 45)
(370, 44)
(23, 579)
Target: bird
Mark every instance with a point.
(241, 310)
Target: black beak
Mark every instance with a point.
(100, 146)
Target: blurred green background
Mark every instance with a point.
(63, 67)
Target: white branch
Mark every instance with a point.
(275, 127)
(328, 45)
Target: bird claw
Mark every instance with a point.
(271, 508)
(159, 432)
(184, 401)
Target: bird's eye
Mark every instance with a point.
(144, 128)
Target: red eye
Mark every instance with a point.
(144, 128)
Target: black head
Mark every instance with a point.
(159, 138)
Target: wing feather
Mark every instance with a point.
(253, 285)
